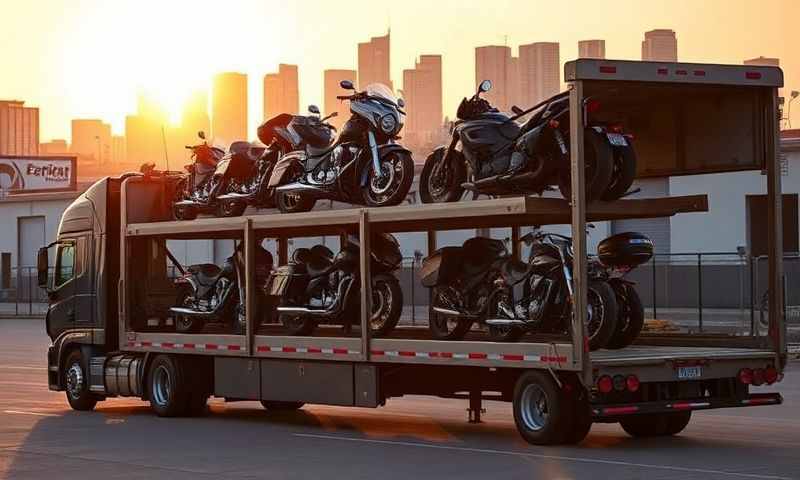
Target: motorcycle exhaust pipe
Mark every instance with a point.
(302, 188)
(450, 313)
(504, 322)
(191, 313)
(304, 311)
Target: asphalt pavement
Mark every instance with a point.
(411, 437)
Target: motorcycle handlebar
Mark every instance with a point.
(343, 97)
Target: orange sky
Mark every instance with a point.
(88, 58)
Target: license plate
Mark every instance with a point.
(689, 372)
(617, 139)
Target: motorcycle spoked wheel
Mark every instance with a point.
(298, 325)
(184, 212)
(392, 187)
(602, 314)
(598, 163)
(231, 208)
(387, 304)
(440, 183)
(446, 327)
(504, 333)
(294, 202)
(623, 173)
(631, 316)
(184, 323)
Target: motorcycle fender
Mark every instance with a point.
(282, 168)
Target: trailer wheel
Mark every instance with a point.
(76, 383)
(276, 406)
(656, 424)
(168, 387)
(581, 417)
(540, 410)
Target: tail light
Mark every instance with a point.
(632, 382)
(770, 375)
(758, 377)
(605, 384)
(746, 376)
(592, 106)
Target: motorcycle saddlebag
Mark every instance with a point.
(627, 249)
(280, 281)
(441, 267)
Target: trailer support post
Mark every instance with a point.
(578, 204)
(516, 248)
(475, 406)
(777, 324)
(431, 237)
(249, 282)
(366, 283)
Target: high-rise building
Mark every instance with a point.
(91, 141)
(763, 62)
(331, 90)
(422, 92)
(54, 147)
(539, 71)
(19, 128)
(229, 108)
(145, 133)
(660, 46)
(194, 116)
(118, 150)
(374, 62)
(495, 63)
(592, 49)
(281, 92)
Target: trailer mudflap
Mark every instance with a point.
(610, 412)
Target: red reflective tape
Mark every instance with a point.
(753, 75)
(406, 353)
(340, 351)
(446, 354)
(190, 346)
(620, 410)
(289, 349)
(758, 401)
(262, 349)
(130, 344)
(234, 347)
(211, 346)
(608, 69)
(377, 352)
(477, 356)
(167, 344)
(560, 359)
(514, 357)
(662, 71)
(147, 344)
(314, 350)
(433, 354)
(699, 73)
(681, 72)
(682, 406)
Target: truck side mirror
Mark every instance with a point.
(42, 266)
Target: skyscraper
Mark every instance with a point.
(194, 116)
(539, 71)
(281, 91)
(495, 63)
(229, 108)
(54, 147)
(144, 133)
(19, 128)
(592, 49)
(660, 46)
(374, 62)
(331, 90)
(422, 92)
(91, 141)
(118, 149)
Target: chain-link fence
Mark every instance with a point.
(20, 295)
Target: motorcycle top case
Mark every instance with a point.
(441, 267)
(627, 249)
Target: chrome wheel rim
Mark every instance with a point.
(382, 299)
(162, 386)
(595, 313)
(75, 380)
(534, 409)
(383, 187)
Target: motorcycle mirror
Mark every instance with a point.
(313, 109)
(347, 85)
(485, 86)
(201, 134)
(590, 225)
(401, 103)
(516, 110)
(527, 239)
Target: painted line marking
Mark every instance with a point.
(545, 457)
(21, 367)
(38, 414)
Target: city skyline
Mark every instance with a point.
(187, 67)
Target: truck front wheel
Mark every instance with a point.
(168, 388)
(76, 383)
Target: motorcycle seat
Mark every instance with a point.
(515, 271)
(205, 273)
(318, 260)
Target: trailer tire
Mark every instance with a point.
(76, 383)
(276, 406)
(540, 410)
(168, 387)
(656, 424)
(581, 417)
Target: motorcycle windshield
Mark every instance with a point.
(381, 91)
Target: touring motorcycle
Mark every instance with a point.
(320, 287)
(491, 153)
(208, 293)
(281, 134)
(480, 281)
(364, 165)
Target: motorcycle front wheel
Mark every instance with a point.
(294, 202)
(440, 182)
(623, 173)
(186, 323)
(598, 161)
(631, 317)
(387, 304)
(231, 208)
(392, 186)
(602, 314)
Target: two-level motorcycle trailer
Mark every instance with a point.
(686, 118)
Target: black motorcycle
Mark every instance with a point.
(281, 134)
(480, 281)
(208, 293)
(362, 166)
(617, 255)
(492, 154)
(209, 175)
(318, 287)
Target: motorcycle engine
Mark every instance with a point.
(328, 170)
(535, 305)
(219, 291)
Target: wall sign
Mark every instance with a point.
(37, 174)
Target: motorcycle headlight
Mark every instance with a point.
(388, 124)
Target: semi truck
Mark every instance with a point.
(111, 259)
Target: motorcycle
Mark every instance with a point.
(318, 287)
(617, 255)
(197, 186)
(208, 293)
(480, 281)
(364, 165)
(491, 153)
(282, 134)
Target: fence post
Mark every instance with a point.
(413, 296)
(752, 296)
(655, 315)
(17, 292)
(700, 289)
